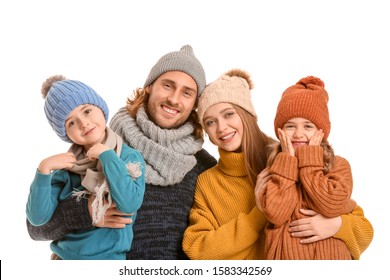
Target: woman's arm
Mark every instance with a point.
(204, 239)
(207, 237)
(354, 229)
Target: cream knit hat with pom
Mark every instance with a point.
(232, 87)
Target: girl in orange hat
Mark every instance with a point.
(304, 174)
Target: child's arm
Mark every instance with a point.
(126, 177)
(280, 197)
(47, 187)
(330, 193)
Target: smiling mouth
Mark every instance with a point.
(300, 143)
(170, 110)
(89, 131)
(228, 136)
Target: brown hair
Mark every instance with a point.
(140, 98)
(255, 145)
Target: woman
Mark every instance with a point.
(225, 221)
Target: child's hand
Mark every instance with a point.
(60, 161)
(94, 152)
(317, 138)
(285, 143)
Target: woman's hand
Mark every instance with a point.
(261, 185)
(314, 228)
(113, 218)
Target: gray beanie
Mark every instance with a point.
(62, 96)
(184, 61)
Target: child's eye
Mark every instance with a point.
(70, 123)
(87, 111)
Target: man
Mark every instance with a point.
(162, 123)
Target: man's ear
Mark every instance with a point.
(148, 89)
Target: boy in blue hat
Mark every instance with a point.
(98, 164)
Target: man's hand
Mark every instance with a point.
(113, 218)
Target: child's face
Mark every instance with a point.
(299, 131)
(86, 125)
(224, 126)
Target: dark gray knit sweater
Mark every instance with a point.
(161, 220)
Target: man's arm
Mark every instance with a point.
(71, 214)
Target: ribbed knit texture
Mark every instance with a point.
(306, 99)
(224, 221)
(164, 242)
(63, 97)
(168, 153)
(231, 89)
(183, 61)
(328, 194)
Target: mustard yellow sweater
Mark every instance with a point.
(226, 224)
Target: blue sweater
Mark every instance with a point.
(47, 191)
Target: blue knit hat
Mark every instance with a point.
(62, 96)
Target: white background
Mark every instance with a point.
(111, 46)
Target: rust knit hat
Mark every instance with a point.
(306, 99)
(232, 87)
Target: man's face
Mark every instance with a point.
(172, 97)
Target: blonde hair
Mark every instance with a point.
(140, 98)
(255, 145)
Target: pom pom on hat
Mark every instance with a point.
(184, 61)
(233, 87)
(306, 99)
(62, 96)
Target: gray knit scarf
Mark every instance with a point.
(169, 153)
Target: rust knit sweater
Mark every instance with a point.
(299, 182)
(226, 224)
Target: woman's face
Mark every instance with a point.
(224, 127)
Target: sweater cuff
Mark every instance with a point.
(310, 155)
(343, 230)
(75, 213)
(285, 166)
